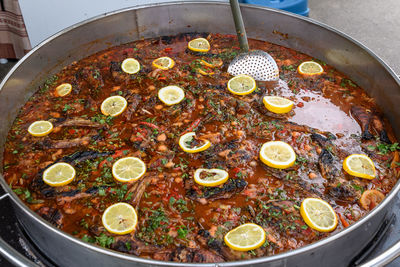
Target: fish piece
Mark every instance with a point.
(217, 246)
(47, 191)
(78, 122)
(263, 129)
(138, 189)
(69, 196)
(369, 120)
(296, 182)
(48, 143)
(92, 76)
(52, 215)
(344, 192)
(133, 102)
(380, 129)
(81, 156)
(135, 247)
(363, 117)
(322, 140)
(326, 165)
(94, 189)
(227, 190)
(336, 186)
(185, 254)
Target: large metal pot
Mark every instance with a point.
(127, 25)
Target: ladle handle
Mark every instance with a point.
(239, 25)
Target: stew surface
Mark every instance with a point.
(178, 219)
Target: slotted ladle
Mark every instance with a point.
(257, 63)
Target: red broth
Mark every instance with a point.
(178, 219)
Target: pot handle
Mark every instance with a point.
(12, 255)
(386, 257)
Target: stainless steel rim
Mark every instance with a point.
(278, 257)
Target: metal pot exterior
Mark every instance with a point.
(155, 20)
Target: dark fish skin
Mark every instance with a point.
(325, 164)
(228, 189)
(370, 120)
(185, 254)
(52, 215)
(80, 156)
(136, 247)
(378, 126)
(326, 160)
(344, 192)
(94, 189)
(320, 139)
(47, 143)
(70, 193)
(78, 122)
(47, 191)
(204, 237)
(363, 117)
(138, 189)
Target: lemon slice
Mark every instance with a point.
(120, 218)
(130, 66)
(40, 128)
(203, 72)
(242, 85)
(245, 237)
(310, 68)
(212, 63)
(63, 89)
(278, 104)
(163, 63)
(128, 169)
(185, 142)
(277, 154)
(210, 177)
(318, 214)
(371, 198)
(171, 95)
(359, 165)
(59, 174)
(113, 105)
(199, 45)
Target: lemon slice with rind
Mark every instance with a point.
(318, 214)
(277, 104)
(63, 89)
(242, 85)
(199, 45)
(212, 63)
(210, 177)
(277, 154)
(245, 237)
(59, 174)
(188, 143)
(171, 95)
(40, 128)
(310, 68)
(120, 218)
(359, 165)
(113, 105)
(203, 72)
(128, 169)
(163, 63)
(130, 66)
